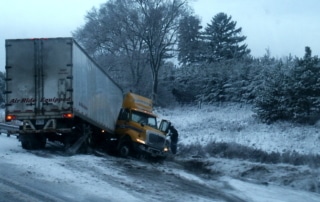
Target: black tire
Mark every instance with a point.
(26, 143)
(32, 141)
(41, 142)
(125, 149)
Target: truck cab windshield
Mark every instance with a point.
(144, 118)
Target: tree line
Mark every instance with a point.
(278, 89)
(134, 39)
(159, 49)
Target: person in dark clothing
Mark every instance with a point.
(174, 139)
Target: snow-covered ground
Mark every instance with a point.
(250, 181)
(237, 123)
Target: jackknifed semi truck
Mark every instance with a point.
(56, 92)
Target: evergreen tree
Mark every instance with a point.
(291, 93)
(305, 91)
(273, 95)
(189, 39)
(224, 40)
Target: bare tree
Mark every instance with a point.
(160, 24)
(144, 31)
(109, 38)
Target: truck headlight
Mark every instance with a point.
(141, 141)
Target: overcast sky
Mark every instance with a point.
(282, 26)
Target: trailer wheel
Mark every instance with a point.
(41, 142)
(32, 141)
(26, 143)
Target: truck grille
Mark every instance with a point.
(156, 140)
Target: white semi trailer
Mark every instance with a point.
(58, 93)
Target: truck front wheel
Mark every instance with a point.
(125, 149)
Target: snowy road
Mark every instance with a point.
(50, 175)
(16, 186)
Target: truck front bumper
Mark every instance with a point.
(150, 150)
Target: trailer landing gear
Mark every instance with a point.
(83, 142)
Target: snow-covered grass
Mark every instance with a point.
(282, 153)
(236, 123)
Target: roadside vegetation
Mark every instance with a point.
(237, 151)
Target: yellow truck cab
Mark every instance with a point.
(137, 129)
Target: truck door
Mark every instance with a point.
(38, 77)
(20, 80)
(55, 86)
(164, 126)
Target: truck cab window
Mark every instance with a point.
(152, 121)
(144, 118)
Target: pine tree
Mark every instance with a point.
(189, 39)
(305, 91)
(272, 101)
(291, 94)
(224, 40)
